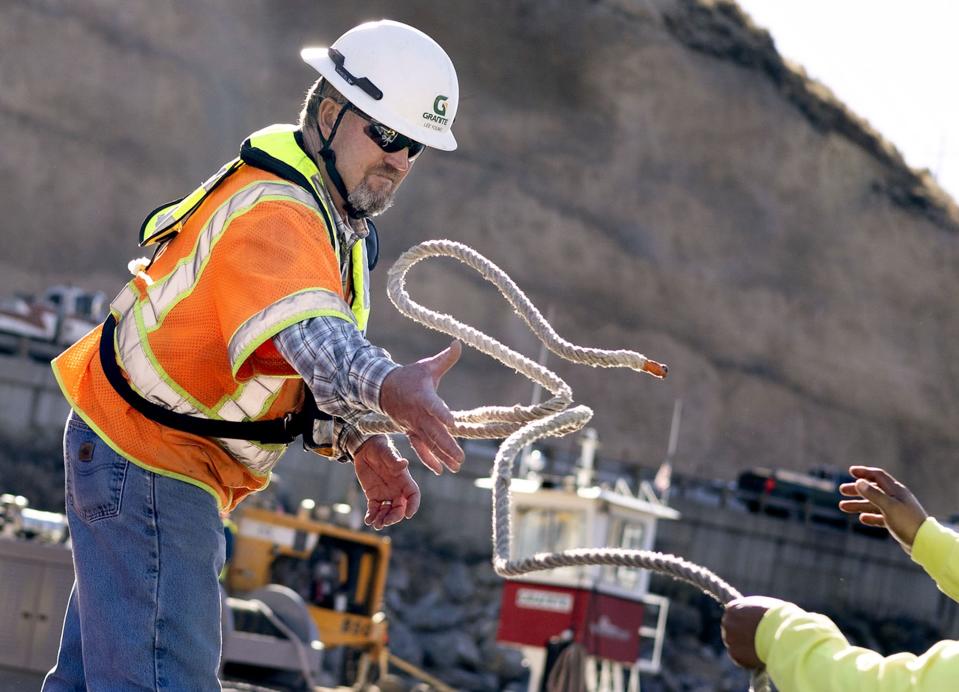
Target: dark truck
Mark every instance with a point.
(813, 496)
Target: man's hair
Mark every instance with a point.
(320, 90)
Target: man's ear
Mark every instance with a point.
(326, 116)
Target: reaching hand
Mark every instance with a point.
(391, 493)
(884, 502)
(740, 621)
(409, 397)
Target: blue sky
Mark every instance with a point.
(894, 63)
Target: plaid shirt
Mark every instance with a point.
(342, 369)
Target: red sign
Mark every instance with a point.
(607, 626)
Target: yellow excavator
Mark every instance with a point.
(301, 589)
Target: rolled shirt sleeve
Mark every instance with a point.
(343, 370)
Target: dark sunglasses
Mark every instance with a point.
(388, 139)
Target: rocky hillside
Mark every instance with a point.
(650, 170)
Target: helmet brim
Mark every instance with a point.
(319, 60)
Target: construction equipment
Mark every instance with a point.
(300, 587)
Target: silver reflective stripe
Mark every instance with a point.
(260, 461)
(366, 281)
(143, 376)
(124, 301)
(284, 311)
(149, 384)
(166, 292)
(164, 218)
(185, 205)
(252, 400)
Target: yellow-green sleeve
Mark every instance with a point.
(936, 550)
(806, 652)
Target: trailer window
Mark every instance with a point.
(629, 536)
(84, 305)
(539, 530)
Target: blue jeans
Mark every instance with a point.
(144, 613)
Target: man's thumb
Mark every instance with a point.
(444, 360)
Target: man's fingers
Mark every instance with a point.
(396, 513)
(384, 513)
(423, 451)
(873, 520)
(375, 512)
(437, 408)
(413, 503)
(858, 507)
(444, 447)
(436, 435)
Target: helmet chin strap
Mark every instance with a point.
(329, 159)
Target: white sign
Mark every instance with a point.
(538, 599)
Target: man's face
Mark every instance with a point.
(371, 175)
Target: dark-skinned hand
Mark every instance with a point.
(740, 621)
(885, 502)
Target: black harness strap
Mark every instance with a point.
(274, 431)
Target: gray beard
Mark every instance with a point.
(364, 199)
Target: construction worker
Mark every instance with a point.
(806, 652)
(245, 331)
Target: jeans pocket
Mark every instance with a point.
(95, 474)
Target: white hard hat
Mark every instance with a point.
(411, 74)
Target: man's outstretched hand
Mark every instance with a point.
(409, 397)
(391, 493)
(883, 501)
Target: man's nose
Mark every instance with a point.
(400, 160)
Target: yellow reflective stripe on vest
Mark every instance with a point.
(164, 220)
(169, 290)
(281, 314)
(279, 142)
(361, 285)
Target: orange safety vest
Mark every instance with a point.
(248, 254)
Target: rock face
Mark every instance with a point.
(651, 170)
(443, 611)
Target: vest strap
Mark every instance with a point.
(273, 431)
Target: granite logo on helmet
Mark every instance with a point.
(439, 111)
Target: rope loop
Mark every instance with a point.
(523, 425)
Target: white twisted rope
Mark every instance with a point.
(523, 425)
